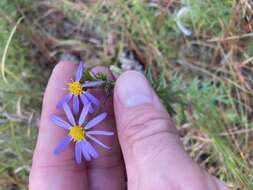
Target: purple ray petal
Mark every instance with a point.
(65, 98)
(92, 98)
(105, 133)
(98, 142)
(62, 145)
(93, 83)
(84, 114)
(96, 120)
(84, 151)
(69, 114)
(90, 149)
(75, 105)
(85, 102)
(84, 99)
(60, 122)
(79, 71)
(78, 153)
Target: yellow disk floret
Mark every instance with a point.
(76, 88)
(77, 133)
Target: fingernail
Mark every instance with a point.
(133, 89)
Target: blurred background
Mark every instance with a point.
(197, 54)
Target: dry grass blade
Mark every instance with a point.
(7, 47)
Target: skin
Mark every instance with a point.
(153, 156)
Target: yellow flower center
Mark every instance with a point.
(77, 133)
(76, 88)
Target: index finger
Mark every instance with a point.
(50, 171)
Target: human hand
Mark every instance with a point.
(153, 155)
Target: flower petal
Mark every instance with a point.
(90, 149)
(78, 153)
(105, 133)
(69, 114)
(65, 98)
(85, 102)
(85, 152)
(93, 83)
(92, 98)
(62, 145)
(79, 71)
(75, 105)
(60, 122)
(98, 142)
(96, 120)
(84, 114)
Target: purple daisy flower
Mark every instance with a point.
(79, 91)
(80, 134)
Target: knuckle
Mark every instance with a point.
(146, 125)
(107, 161)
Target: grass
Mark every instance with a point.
(18, 109)
(204, 80)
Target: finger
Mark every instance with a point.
(220, 185)
(107, 171)
(151, 148)
(50, 171)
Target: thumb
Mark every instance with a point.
(150, 144)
